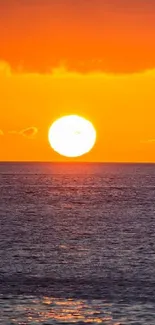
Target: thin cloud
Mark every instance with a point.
(13, 132)
(5, 69)
(62, 70)
(1, 133)
(149, 141)
(29, 132)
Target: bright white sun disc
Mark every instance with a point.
(72, 136)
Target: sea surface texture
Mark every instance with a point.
(77, 244)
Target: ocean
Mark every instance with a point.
(77, 243)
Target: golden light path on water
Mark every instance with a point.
(60, 311)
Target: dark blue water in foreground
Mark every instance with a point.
(77, 244)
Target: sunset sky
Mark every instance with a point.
(94, 58)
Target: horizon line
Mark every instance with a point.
(74, 162)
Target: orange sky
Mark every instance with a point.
(81, 57)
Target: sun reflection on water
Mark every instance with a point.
(59, 311)
(71, 311)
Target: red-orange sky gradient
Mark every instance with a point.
(90, 57)
(113, 35)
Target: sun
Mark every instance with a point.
(72, 136)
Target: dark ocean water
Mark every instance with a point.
(77, 244)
